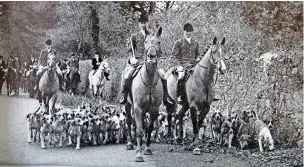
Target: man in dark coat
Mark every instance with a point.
(186, 54)
(138, 46)
(2, 67)
(96, 61)
(42, 62)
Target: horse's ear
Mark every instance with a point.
(214, 41)
(223, 41)
(159, 32)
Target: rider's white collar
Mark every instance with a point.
(188, 39)
(143, 32)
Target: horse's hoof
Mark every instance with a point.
(197, 151)
(130, 147)
(29, 142)
(148, 151)
(77, 148)
(139, 159)
(43, 147)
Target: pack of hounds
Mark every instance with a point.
(103, 124)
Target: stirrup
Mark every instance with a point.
(123, 100)
(168, 99)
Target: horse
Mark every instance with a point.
(49, 84)
(146, 97)
(199, 89)
(31, 77)
(2, 79)
(97, 79)
(10, 78)
(72, 81)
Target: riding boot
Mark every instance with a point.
(166, 99)
(181, 93)
(37, 81)
(125, 90)
(107, 76)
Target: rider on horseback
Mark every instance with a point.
(186, 52)
(138, 40)
(31, 65)
(2, 72)
(96, 61)
(43, 63)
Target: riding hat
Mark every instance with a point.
(188, 27)
(97, 53)
(143, 18)
(48, 42)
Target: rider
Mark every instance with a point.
(31, 65)
(42, 62)
(96, 61)
(186, 52)
(73, 63)
(17, 65)
(2, 67)
(138, 40)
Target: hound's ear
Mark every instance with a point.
(223, 41)
(27, 116)
(159, 32)
(214, 41)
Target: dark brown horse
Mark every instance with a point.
(11, 79)
(72, 81)
(199, 88)
(147, 94)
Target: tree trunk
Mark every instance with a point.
(95, 27)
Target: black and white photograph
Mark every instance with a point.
(151, 83)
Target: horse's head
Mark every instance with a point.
(152, 45)
(217, 55)
(104, 66)
(51, 60)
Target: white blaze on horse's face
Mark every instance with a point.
(152, 45)
(51, 60)
(218, 57)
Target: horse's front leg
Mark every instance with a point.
(52, 108)
(193, 111)
(95, 91)
(150, 127)
(201, 120)
(139, 133)
(170, 110)
(129, 124)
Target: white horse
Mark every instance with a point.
(97, 79)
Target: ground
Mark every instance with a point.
(15, 150)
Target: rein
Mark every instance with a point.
(149, 86)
